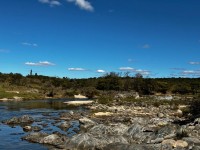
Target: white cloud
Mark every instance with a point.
(101, 71)
(76, 69)
(40, 63)
(194, 63)
(143, 72)
(83, 4)
(190, 73)
(30, 44)
(126, 69)
(50, 2)
(146, 46)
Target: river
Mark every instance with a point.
(43, 111)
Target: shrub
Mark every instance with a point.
(194, 108)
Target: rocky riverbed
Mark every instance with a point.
(118, 127)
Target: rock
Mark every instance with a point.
(192, 140)
(181, 143)
(92, 142)
(64, 126)
(170, 142)
(35, 137)
(79, 103)
(52, 139)
(179, 113)
(86, 122)
(21, 120)
(36, 128)
(167, 130)
(55, 139)
(71, 112)
(27, 128)
(138, 133)
(197, 121)
(160, 115)
(115, 129)
(121, 146)
(103, 114)
(158, 140)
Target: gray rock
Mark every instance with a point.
(121, 146)
(21, 120)
(64, 126)
(115, 129)
(86, 122)
(35, 137)
(192, 140)
(93, 142)
(55, 139)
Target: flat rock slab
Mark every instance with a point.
(77, 103)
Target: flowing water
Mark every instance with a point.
(43, 111)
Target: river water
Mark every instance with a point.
(43, 111)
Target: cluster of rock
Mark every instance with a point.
(123, 128)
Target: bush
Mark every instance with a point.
(105, 99)
(194, 108)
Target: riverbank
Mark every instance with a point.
(118, 126)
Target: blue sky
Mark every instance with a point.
(87, 38)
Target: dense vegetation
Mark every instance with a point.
(42, 86)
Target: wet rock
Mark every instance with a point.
(64, 126)
(54, 139)
(35, 137)
(21, 120)
(36, 128)
(70, 116)
(32, 128)
(27, 128)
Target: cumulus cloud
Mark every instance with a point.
(30, 44)
(194, 63)
(191, 72)
(143, 72)
(76, 69)
(101, 71)
(130, 69)
(40, 63)
(126, 69)
(83, 4)
(50, 2)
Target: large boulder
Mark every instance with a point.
(93, 142)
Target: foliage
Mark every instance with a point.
(194, 108)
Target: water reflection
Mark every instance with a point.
(46, 114)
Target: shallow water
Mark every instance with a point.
(43, 111)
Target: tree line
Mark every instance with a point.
(109, 82)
